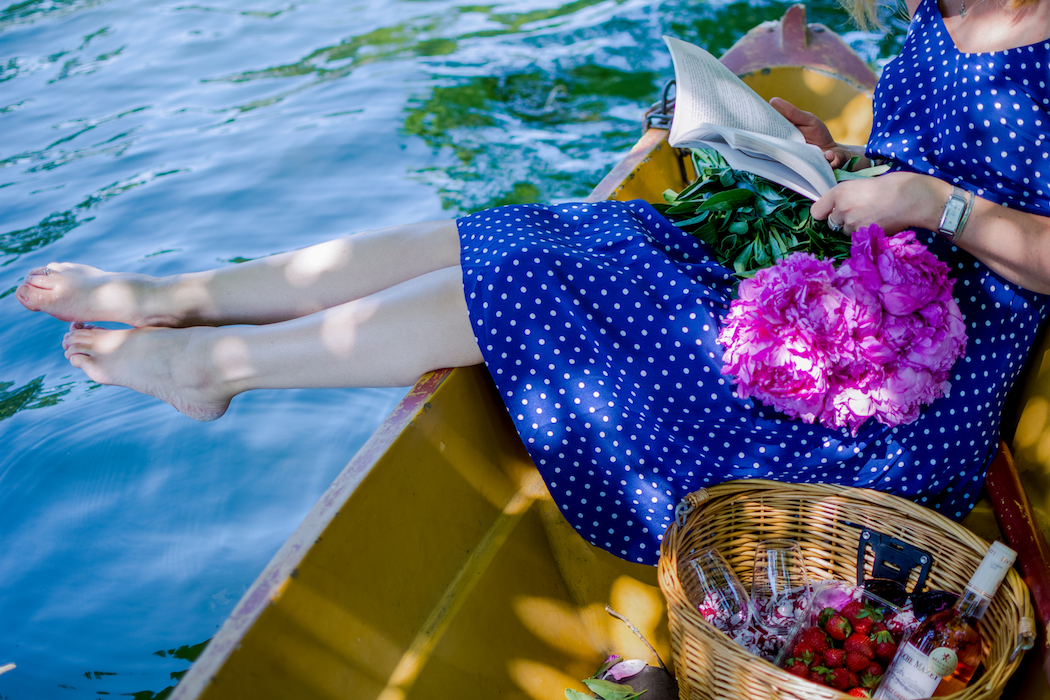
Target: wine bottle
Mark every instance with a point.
(942, 654)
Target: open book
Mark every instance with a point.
(715, 109)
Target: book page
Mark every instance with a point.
(769, 169)
(708, 93)
(769, 157)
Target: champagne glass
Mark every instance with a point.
(710, 584)
(780, 588)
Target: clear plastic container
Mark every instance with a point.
(835, 595)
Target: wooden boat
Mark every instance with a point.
(436, 565)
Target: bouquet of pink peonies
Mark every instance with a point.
(875, 337)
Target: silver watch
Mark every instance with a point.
(956, 211)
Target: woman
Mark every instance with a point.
(598, 321)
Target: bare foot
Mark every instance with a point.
(72, 292)
(174, 365)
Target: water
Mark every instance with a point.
(166, 137)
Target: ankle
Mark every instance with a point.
(221, 358)
(178, 301)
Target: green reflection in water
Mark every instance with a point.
(513, 22)
(32, 395)
(56, 225)
(568, 111)
(187, 652)
(413, 38)
(243, 13)
(21, 12)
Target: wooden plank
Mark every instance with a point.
(1013, 511)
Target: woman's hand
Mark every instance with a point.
(894, 201)
(816, 133)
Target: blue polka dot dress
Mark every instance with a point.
(598, 323)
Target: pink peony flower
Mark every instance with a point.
(875, 338)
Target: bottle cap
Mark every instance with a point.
(992, 570)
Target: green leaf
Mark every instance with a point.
(571, 694)
(847, 174)
(611, 691)
(727, 200)
(749, 222)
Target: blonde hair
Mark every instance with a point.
(866, 12)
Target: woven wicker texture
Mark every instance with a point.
(826, 521)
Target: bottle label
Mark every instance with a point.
(909, 676)
(943, 661)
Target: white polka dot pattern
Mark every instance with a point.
(598, 324)
(978, 120)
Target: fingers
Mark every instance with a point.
(823, 207)
(788, 110)
(793, 114)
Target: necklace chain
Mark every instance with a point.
(962, 7)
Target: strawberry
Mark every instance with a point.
(817, 677)
(856, 661)
(838, 678)
(879, 627)
(858, 693)
(838, 627)
(885, 647)
(802, 648)
(816, 638)
(854, 680)
(860, 644)
(851, 609)
(825, 615)
(834, 658)
(870, 680)
(797, 667)
(863, 623)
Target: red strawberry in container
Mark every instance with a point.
(834, 658)
(874, 670)
(859, 693)
(856, 661)
(797, 667)
(851, 610)
(838, 678)
(838, 627)
(816, 638)
(885, 646)
(860, 644)
(870, 681)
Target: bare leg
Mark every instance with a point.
(267, 290)
(386, 339)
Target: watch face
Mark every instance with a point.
(953, 211)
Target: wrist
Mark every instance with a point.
(934, 197)
(956, 213)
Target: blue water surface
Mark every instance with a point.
(165, 137)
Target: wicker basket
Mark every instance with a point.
(826, 520)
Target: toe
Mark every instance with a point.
(41, 280)
(26, 295)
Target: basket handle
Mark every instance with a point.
(1025, 637)
(687, 504)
